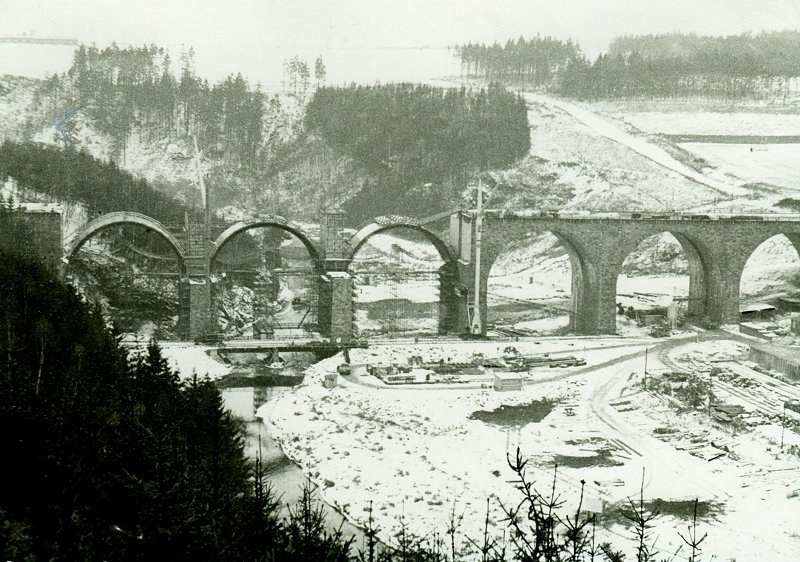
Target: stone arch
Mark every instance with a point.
(109, 220)
(450, 290)
(752, 246)
(581, 271)
(120, 218)
(267, 221)
(701, 268)
(382, 224)
(578, 292)
(267, 289)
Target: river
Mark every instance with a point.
(284, 475)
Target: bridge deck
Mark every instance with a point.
(255, 345)
(634, 216)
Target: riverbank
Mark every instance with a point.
(244, 396)
(421, 453)
(284, 475)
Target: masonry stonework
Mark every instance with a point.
(717, 250)
(201, 318)
(331, 226)
(341, 299)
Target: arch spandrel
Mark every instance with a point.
(385, 223)
(265, 222)
(503, 235)
(749, 245)
(755, 244)
(122, 218)
(498, 236)
(693, 246)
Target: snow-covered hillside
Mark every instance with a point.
(591, 157)
(599, 157)
(166, 159)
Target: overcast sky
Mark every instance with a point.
(254, 36)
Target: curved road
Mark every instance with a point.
(638, 144)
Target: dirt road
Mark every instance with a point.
(638, 144)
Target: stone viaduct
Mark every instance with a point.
(331, 256)
(717, 248)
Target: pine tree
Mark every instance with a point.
(320, 73)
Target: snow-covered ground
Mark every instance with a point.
(545, 325)
(191, 359)
(415, 292)
(681, 121)
(648, 291)
(590, 170)
(417, 452)
(407, 447)
(736, 165)
(760, 163)
(609, 129)
(644, 291)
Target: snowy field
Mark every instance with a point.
(191, 359)
(761, 163)
(545, 325)
(730, 166)
(415, 292)
(706, 122)
(601, 126)
(648, 291)
(418, 452)
(600, 163)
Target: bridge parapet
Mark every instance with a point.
(528, 214)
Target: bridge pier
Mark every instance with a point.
(596, 300)
(336, 306)
(202, 319)
(724, 273)
(452, 300)
(724, 298)
(335, 310)
(199, 296)
(698, 298)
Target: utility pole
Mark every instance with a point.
(783, 425)
(644, 380)
(206, 229)
(710, 382)
(203, 190)
(475, 327)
